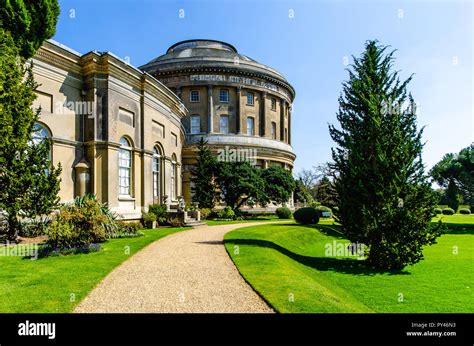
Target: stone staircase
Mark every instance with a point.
(191, 221)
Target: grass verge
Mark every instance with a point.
(288, 265)
(58, 284)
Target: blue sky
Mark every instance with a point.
(309, 42)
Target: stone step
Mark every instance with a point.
(195, 223)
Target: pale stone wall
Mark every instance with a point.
(122, 102)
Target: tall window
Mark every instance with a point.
(250, 126)
(40, 133)
(224, 124)
(274, 104)
(195, 124)
(174, 177)
(194, 96)
(250, 98)
(156, 169)
(224, 96)
(274, 130)
(125, 166)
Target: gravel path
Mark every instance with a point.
(189, 271)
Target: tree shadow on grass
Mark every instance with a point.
(210, 242)
(329, 230)
(459, 228)
(341, 265)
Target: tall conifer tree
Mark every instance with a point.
(29, 184)
(383, 196)
(203, 177)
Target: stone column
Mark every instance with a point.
(82, 180)
(289, 125)
(282, 120)
(210, 106)
(237, 111)
(263, 97)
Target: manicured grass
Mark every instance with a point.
(286, 263)
(58, 284)
(228, 222)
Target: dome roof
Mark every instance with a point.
(203, 53)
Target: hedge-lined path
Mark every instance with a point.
(189, 271)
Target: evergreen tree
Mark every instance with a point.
(240, 182)
(384, 198)
(29, 22)
(29, 183)
(302, 194)
(455, 172)
(203, 177)
(323, 191)
(279, 184)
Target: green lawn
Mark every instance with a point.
(228, 222)
(286, 264)
(49, 284)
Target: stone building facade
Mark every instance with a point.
(234, 102)
(128, 134)
(115, 129)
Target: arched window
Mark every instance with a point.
(156, 169)
(174, 177)
(40, 132)
(125, 167)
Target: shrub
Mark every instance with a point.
(448, 211)
(438, 211)
(464, 211)
(149, 217)
(307, 215)
(63, 235)
(81, 223)
(87, 201)
(48, 250)
(205, 213)
(88, 220)
(175, 221)
(226, 213)
(129, 229)
(33, 228)
(130, 226)
(214, 214)
(160, 211)
(190, 207)
(283, 213)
